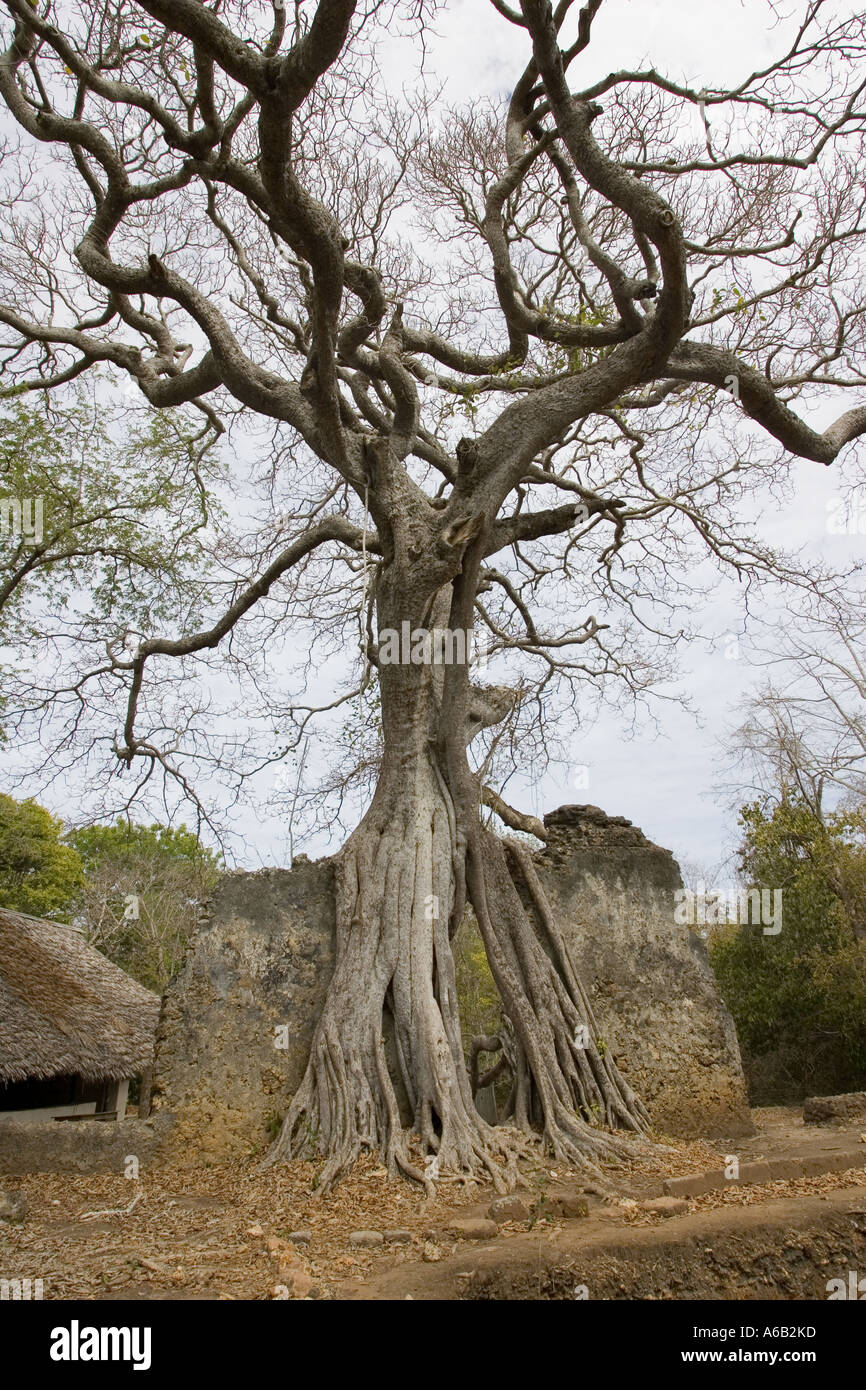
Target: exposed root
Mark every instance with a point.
(563, 1080)
(396, 893)
(402, 882)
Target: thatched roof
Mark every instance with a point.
(65, 1009)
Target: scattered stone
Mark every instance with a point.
(13, 1206)
(833, 1110)
(473, 1228)
(278, 1246)
(568, 1205)
(431, 1253)
(300, 1237)
(508, 1209)
(299, 1283)
(398, 1237)
(665, 1206)
(256, 1231)
(366, 1240)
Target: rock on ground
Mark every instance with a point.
(508, 1209)
(665, 1206)
(829, 1110)
(366, 1240)
(473, 1228)
(13, 1206)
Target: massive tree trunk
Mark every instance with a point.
(403, 881)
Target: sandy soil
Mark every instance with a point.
(223, 1232)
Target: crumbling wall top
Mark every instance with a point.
(590, 825)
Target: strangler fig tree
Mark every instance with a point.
(514, 365)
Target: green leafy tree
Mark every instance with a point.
(39, 873)
(799, 998)
(141, 890)
(480, 1004)
(134, 889)
(106, 529)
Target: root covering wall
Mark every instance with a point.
(236, 1023)
(651, 985)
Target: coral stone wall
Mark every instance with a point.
(654, 994)
(236, 1023)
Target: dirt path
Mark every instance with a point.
(781, 1249)
(232, 1232)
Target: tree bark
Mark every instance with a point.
(403, 880)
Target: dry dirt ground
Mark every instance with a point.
(223, 1232)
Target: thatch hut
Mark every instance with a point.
(74, 1029)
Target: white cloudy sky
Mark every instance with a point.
(662, 773)
(663, 782)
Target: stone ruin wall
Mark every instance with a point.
(650, 982)
(236, 1023)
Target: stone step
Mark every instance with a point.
(768, 1170)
